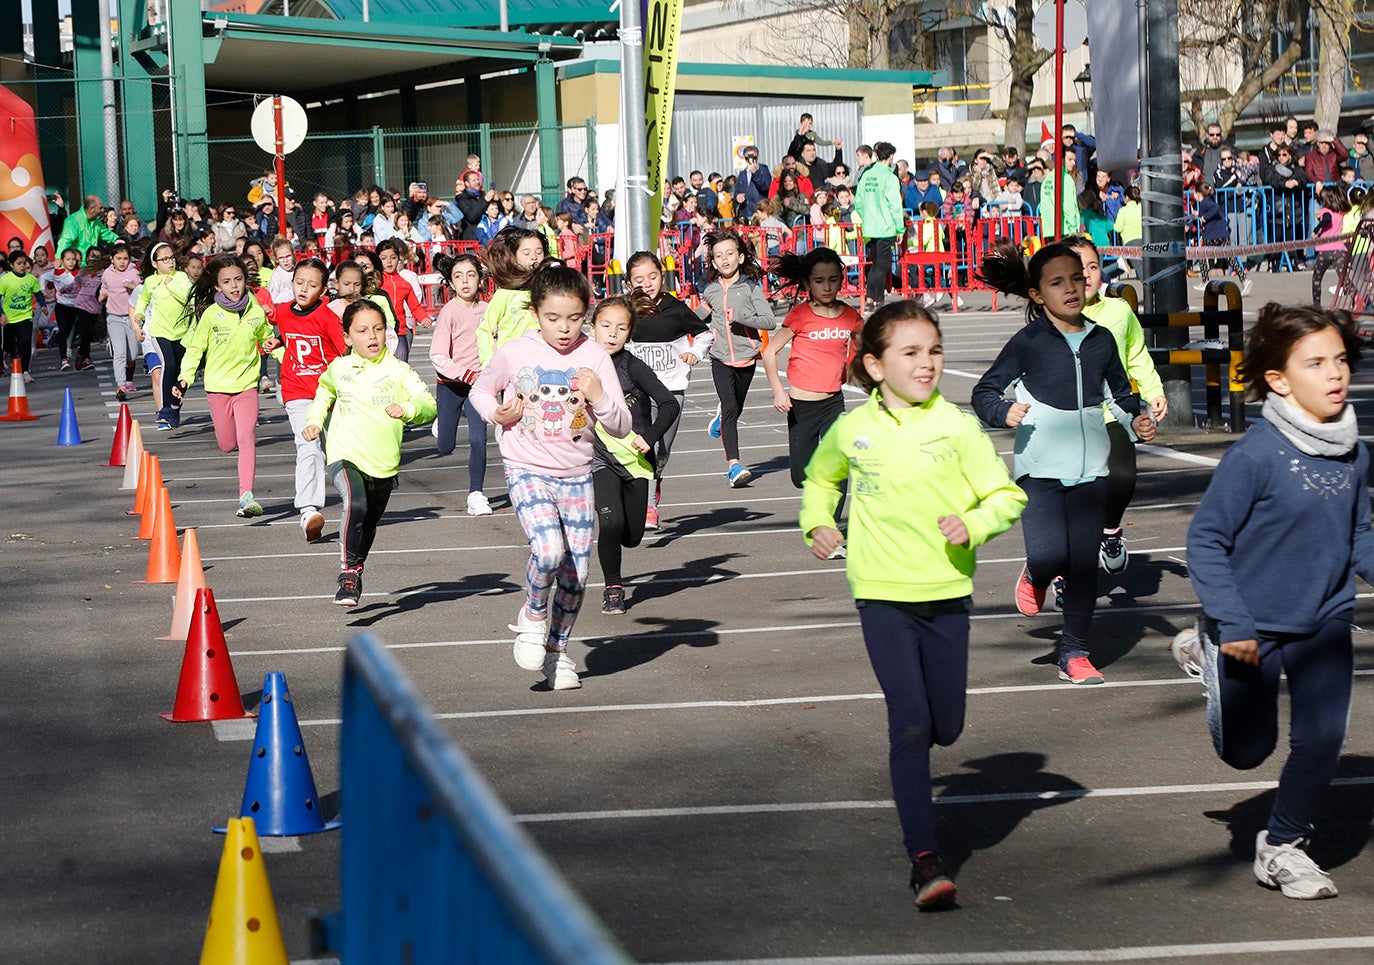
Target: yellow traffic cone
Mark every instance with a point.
(243, 928)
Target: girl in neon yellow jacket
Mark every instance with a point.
(372, 394)
(927, 488)
(162, 303)
(1115, 315)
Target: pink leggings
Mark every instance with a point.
(235, 417)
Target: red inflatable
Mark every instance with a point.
(23, 200)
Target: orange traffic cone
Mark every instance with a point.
(38, 340)
(147, 525)
(145, 476)
(19, 397)
(164, 557)
(133, 459)
(190, 579)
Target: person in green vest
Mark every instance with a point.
(878, 201)
(85, 229)
(1070, 220)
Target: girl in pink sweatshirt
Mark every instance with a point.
(454, 354)
(559, 384)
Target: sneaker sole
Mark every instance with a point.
(1114, 570)
(249, 513)
(565, 684)
(1265, 881)
(741, 480)
(314, 526)
(346, 603)
(1082, 682)
(939, 896)
(613, 611)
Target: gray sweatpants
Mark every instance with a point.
(309, 459)
(123, 345)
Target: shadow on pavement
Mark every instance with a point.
(698, 522)
(654, 637)
(411, 598)
(661, 583)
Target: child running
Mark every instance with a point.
(822, 332)
(670, 338)
(1290, 498)
(1059, 365)
(1115, 315)
(20, 291)
(372, 395)
(116, 284)
(87, 305)
(60, 282)
(392, 253)
(162, 301)
(453, 351)
(511, 258)
(312, 337)
(559, 378)
(622, 467)
(928, 489)
(734, 272)
(230, 333)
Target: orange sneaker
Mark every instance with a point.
(1080, 670)
(1029, 599)
(651, 517)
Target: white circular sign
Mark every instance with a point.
(1075, 24)
(293, 125)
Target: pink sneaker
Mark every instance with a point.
(1029, 600)
(1080, 670)
(651, 517)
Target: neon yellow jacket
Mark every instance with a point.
(907, 468)
(359, 390)
(228, 342)
(508, 316)
(1115, 315)
(162, 302)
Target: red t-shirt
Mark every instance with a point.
(312, 341)
(821, 348)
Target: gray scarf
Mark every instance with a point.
(1329, 439)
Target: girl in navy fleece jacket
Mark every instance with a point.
(1272, 553)
(1062, 368)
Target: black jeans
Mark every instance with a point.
(620, 508)
(807, 422)
(879, 251)
(364, 501)
(1063, 530)
(732, 386)
(1121, 473)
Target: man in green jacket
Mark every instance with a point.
(85, 229)
(878, 202)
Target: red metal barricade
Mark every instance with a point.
(930, 262)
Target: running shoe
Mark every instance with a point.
(530, 635)
(249, 506)
(1080, 670)
(651, 517)
(478, 504)
(1029, 599)
(934, 889)
(163, 425)
(739, 475)
(1112, 552)
(1187, 650)
(28, 378)
(350, 589)
(84, 364)
(613, 600)
(120, 394)
(560, 671)
(1057, 584)
(265, 385)
(65, 366)
(312, 524)
(714, 428)
(1290, 869)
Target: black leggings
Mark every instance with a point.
(620, 507)
(19, 342)
(1120, 474)
(732, 386)
(172, 352)
(1062, 526)
(1333, 260)
(807, 422)
(364, 500)
(72, 319)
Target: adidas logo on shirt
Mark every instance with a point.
(828, 334)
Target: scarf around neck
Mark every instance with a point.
(1329, 439)
(237, 306)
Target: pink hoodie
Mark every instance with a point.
(554, 438)
(454, 348)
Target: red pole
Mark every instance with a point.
(281, 163)
(1059, 174)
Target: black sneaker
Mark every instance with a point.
(613, 600)
(350, 587)
(934, 889)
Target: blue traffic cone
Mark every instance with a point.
(279, 794)
(68, 434)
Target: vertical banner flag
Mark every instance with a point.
(23, 201)
(1113, 29)
(662, 27)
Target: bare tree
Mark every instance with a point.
(1334, 21)
(1012, 23)
(836, 33)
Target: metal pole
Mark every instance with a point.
(505, 17)
(632, 211)
(281, 166)
(107, 104)
(1059, 173)
(172, 100)
(366, 16)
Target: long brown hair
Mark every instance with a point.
(1281, 327)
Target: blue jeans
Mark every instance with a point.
(1243, 713)
(919, 654)
(452, 407)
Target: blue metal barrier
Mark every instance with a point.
(433, 867)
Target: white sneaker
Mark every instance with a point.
(312, 524)
(28, 378)
(1245, 286)
(1290, 869)
(1187, 650)
(957, 302)
(560, 671)
(478, 504)
(529, 641)
(434, 428)
(927, 300)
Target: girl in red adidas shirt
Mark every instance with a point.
(822, 332)
(392, 254)
(312, 338)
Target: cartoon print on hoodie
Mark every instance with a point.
(553, 406)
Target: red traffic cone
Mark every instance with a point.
(190, 579)
(133, 457)
(120, 447)
(206, 689)
(164, 557)
(19, 397)
(38, 340)
(145, 476)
